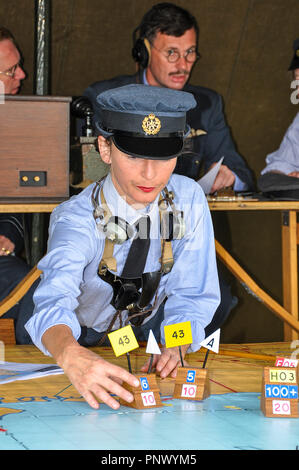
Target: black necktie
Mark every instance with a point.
(136, 259)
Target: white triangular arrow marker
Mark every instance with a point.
(152, 346)
(212, 341)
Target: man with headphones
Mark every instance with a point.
(165, 47)
(124, 244)
(13, 268)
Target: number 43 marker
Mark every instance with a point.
(178, 334)
(123, 340)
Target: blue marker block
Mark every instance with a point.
(293, 391)
(144, 383)
(281, 391)
(191, 376)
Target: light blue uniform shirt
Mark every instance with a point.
(286, 158)
(72, 293)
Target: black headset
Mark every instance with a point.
(141, 51)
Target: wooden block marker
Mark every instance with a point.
(194, 383)
(191, 384)
(279, 397)
(146, 395)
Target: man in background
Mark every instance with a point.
(12, 267)
(286, 158)
(11, 72)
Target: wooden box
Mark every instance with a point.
(147, 395)
(34, 147)
(191, 384)
(7, 333)
(279, 397)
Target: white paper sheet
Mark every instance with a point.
(207, 181)
(12, 371)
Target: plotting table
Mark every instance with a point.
(48, 413)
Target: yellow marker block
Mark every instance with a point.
(123, 340)
(178, 334)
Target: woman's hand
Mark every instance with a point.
(93, 377)
(168, 362)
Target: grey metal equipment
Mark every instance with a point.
(86, 165)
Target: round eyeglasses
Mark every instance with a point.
(173, 55)
(11, 71)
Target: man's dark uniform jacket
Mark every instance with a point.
(210, 135)
(12, 271)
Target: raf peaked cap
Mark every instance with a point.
(295, 61)
(144, 121)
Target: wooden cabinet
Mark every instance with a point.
(34, 147)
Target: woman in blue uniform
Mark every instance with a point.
(90, 285)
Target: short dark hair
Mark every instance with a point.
(167, 18)
(6, 34)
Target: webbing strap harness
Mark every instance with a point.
(108, 262)
(133, 295)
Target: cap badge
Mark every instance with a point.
(151, 124)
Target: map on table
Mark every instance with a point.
(48, 413)
(231, 421)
